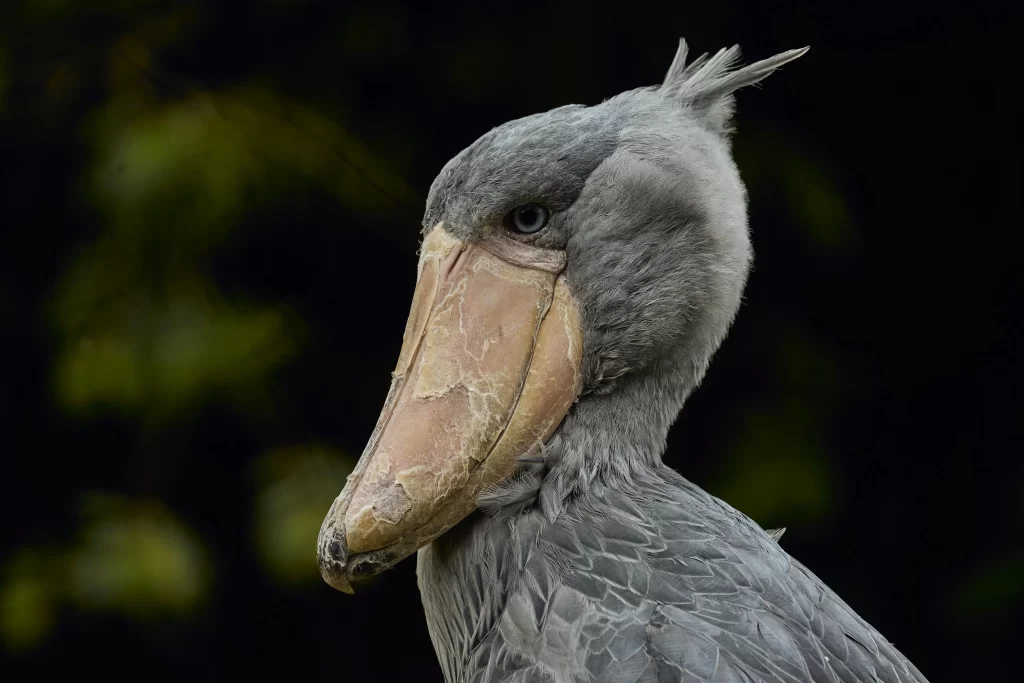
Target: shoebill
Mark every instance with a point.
(578, 270)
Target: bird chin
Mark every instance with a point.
(489, 366)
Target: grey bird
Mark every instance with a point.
(579, 269)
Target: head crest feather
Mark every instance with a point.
(706, 85)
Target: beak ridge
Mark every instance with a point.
(488, 368)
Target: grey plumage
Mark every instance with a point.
(596, 562)
(652, 580)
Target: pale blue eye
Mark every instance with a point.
(528, 218)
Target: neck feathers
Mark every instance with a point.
(605, 438)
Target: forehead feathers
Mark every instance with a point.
(544, 158)
(548, 157)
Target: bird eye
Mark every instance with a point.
(527, 219)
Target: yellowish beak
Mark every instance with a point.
(489, 367)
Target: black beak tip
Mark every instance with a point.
(331, 557)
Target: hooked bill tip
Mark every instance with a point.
(332, 559)
(334, 576)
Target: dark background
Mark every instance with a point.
(207, 250)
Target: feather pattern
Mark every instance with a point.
(653, 581)
(707, 84)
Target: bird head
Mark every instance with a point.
(565, 254)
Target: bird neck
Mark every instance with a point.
(607, 440)
(609, 436)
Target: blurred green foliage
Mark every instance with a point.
(779, 172)
(143, 323)
(132, 557)
(28, 602)
(145, 329)
(136, 558)
(296, 486)
(988, 598)
(777, 468)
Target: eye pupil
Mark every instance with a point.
(528, 218)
